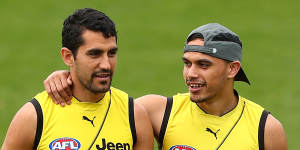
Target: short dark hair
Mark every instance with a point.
(219, 37)
(85, 19)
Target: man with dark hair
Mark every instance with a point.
(100, 117)
(212, 115)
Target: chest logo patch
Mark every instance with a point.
(212, 132)
(89, 120)
(65, 144)
(182, 147)
(113, 146)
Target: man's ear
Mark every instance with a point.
(67, 56)
(234, 68)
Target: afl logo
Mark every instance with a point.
(182, 147)
(64, 144)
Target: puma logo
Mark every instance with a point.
(214, 133)
(87, 119)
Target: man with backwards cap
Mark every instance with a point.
(212, 115)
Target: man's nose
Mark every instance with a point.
(104, 63)
(193, 72)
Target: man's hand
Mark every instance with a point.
(58, 85)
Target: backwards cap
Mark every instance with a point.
(226, 50)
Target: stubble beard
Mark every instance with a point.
(90, 86)
(198, 99)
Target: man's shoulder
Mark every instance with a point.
(251, 105)
(43, 100)
(181, 95)
(181, 98)
(21, 132)
(41, 95)
(118, 92)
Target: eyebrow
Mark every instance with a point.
(198, 61)
(114, 49)
(204, 61)
(94, 49)
(184, 59)
(98, 49)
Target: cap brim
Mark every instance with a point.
(241, 76)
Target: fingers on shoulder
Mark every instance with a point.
(61, 77)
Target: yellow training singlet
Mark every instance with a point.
(186, 127)
(105, 125)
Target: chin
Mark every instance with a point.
(97, 91)
(100, 89)
(198, 99)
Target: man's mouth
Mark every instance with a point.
(196, 85)
(103, 75)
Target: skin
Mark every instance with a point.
(215, 80)
(20, 137)
(91, 74)
(215, 94)
(93, 68)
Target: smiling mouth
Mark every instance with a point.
(102, 75)
(196, 85)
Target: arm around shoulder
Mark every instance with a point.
(143, 128)
(21, 132)
(275, 138)
(155, 106)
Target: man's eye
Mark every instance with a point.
(112, 53)
(186, 63)
(204, 65)
(94, 53)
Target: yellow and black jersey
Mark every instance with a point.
(107, 124)
(186, 126)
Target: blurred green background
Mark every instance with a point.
(151, 39)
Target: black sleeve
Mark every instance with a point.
(131, 119)
(165, 121)
(261, 130)
(39, 125)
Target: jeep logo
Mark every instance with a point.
(113, 146)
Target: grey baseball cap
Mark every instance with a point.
(214, 46)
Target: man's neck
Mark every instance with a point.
(84, 95)
(87, 96)
(221, 104)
